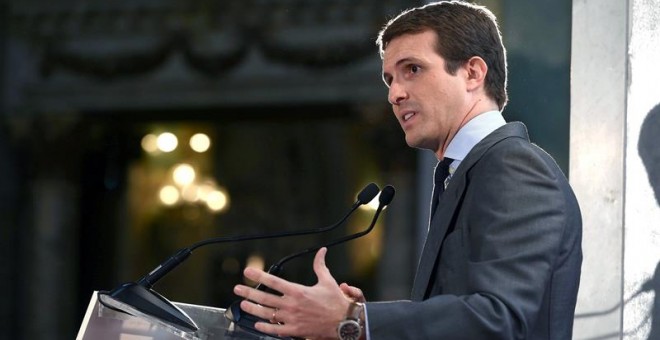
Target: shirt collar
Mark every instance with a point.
(472, 133)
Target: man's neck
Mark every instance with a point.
(482, 105)
(472, 133)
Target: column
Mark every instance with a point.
(613, 164)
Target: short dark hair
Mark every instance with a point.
(463, 30)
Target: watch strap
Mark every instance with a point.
(354, 311)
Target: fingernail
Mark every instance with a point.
(238, 290)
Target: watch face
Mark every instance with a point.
(349, 330)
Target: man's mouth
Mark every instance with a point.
(408, 116)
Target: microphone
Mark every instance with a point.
(138, 298)
(247, 321)
(385, 198)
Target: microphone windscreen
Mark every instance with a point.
(386, 195)
(368, 193)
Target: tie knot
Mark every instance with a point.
(445, 164)
(442, 171)
(446, 161)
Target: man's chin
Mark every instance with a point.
(415, 143)
(411, 143)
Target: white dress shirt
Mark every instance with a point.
(470, 134)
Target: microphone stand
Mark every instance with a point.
(246, 320)
(139, 298)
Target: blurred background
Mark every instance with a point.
(131, 129)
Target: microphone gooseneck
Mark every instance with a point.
(138, 298)
(246, 320)
(384, 199)
(365, 196)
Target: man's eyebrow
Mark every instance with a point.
(404, 60)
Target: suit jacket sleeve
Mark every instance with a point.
(496, 265)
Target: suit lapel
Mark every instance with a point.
(437, 229)
(446, 208)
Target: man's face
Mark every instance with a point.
(426, 100)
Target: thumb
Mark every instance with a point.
(322, 272)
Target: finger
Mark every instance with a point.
(258, 296)
(350, 290)
(281, 330)
(286, 330)
(321, 270)
(269, 280)
(353, 293)
(347, 290)
(259, 311)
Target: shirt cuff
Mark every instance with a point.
(366, 323)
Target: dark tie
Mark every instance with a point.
(441, 174)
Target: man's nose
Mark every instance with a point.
(396, 94)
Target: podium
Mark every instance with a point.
(103, 323)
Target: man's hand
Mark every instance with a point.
(302, 311)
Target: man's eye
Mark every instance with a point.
(414, 68)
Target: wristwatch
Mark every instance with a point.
(351, 327)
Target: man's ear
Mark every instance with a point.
(476, 73)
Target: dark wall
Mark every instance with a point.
(537, 35)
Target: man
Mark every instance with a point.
(503, 254)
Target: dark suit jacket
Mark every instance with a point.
(503, 255)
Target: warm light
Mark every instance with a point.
(184, 174)
(256, 261)
(167, 142)
(169, 195)
(200, 142)
(216, 200)
(150, 143)
(203, 190)
(190, 193)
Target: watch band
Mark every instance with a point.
(354, 311)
